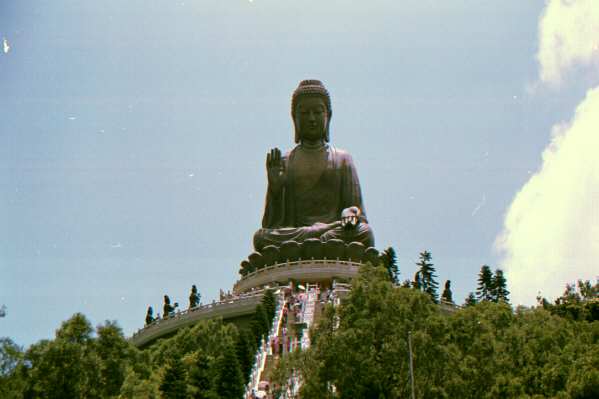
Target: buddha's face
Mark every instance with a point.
(311, 118)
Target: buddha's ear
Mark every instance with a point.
(327, 136)
(296, 126)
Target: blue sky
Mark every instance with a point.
(133, 137)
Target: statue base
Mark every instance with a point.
(323, 272)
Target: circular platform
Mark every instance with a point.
(309, 271)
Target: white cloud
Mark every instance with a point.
(568, 36)
(551, 229)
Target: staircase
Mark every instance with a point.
(265, 359)
(307, 317)
(265, 351)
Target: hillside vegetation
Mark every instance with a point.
(359, 350)
(487, 350)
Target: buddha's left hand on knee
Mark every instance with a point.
(350, 217)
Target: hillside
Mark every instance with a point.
(359, 349)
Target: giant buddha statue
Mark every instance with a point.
(313, 190)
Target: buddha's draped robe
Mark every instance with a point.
(320, 184)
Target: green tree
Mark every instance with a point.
(371, 340)
(200, 376)
(245, 347)
(114, 353)
(484, 291)
(389, 258)
(583, 379)
(417, 283)
(474, 335)
(499, 291)
(149, 316)
(173, 385)
(485, 351)
(210, 336)
(66, 367)
(135, 387)
(269, 302)
(198, 347)
(259, 324)
(426, 276)
(167, 308)
(578, 302)
(229, 382)
(588, 291)
(194, 297)
(470, 300)
(447, 296)
(11, 357)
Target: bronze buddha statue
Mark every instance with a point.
(313, 190)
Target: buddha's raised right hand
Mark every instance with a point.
(275, 169)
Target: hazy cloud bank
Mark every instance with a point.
(551, 229)
(568, 35)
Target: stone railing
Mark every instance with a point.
(301, 270)
(235, 306)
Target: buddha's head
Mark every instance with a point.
(311, 111)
